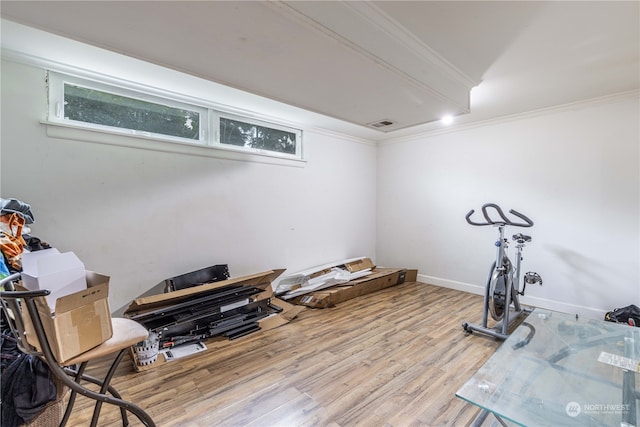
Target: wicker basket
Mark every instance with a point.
(52, 413)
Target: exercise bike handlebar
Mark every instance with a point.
(504, 220)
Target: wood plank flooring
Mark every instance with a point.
(394, 358)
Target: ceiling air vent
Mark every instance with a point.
(381, 124)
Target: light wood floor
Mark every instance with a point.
(394, 358)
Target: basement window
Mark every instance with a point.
(257, 136)
(87, 105)
(120, 110)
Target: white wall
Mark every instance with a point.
(142, 216)
(574, 171)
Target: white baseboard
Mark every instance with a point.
(451, 284)
(564, 307)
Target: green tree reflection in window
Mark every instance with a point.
(235, 132)
(103, 108)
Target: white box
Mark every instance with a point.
(60, 273)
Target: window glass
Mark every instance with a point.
(249, 135)
(108, 109)
(111, 109)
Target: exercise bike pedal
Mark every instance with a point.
(532, 277)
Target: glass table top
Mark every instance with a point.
(559, 370)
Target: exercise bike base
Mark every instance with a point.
(497, 330)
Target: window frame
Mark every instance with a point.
(217, 115)
(57, 82)
(210, 114)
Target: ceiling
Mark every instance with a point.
(402, 63)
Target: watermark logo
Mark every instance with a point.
(573, 409)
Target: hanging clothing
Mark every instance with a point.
(10, 206)
(11, 242)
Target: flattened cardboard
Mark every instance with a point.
(259, 280)
(380, 278)
(412, 276)
(81, 320)
(312, 276)
(318, 299)
(326, 277)
(359, 265)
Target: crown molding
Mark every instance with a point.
(395, 31)
(514, 117)
(369, 32)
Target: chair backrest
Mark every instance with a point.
(20, 307)
(17, 304)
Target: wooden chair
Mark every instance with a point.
(126, 333)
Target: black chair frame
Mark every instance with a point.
(70, 376)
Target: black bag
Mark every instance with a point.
(629, 315)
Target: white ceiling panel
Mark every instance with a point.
(406, 62)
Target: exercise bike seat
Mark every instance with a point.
(521, 238)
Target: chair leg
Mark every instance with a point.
(105, 386)
(77, 375)
(63, 374)
(96, 381)
(74, 386)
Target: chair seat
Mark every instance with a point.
(16, 304)
(126, 333)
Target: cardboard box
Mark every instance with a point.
(81, 320)
(411, 276)
(359, 265)
(260, 280)
(380, 278)
(326, 276)
(60, 273)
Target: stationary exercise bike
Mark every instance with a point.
(503, 284)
